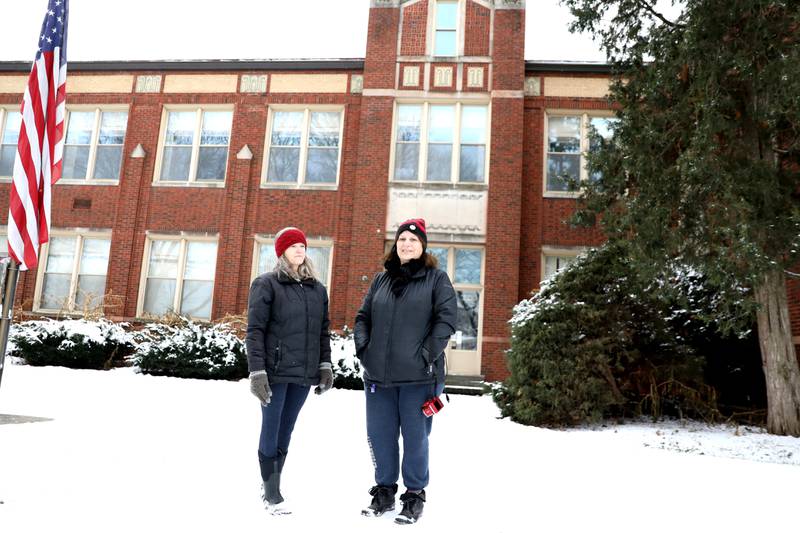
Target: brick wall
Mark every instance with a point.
(415, 27)
(477, 26)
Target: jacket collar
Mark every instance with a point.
(283, 278)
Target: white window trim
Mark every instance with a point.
(93, 143)
(4, 110)
(460, 19)
(184, 239)
(300, 182)
(455, 163)
(80, 236)
(4, 234)
(586, 116)
(260, 240)
(192, 181)
(554, 251)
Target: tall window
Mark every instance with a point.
(465, 268)
(319, 251)
(303, 146)
(74, 275)
(445, 39)
(569, 139)
(93, 144)
(179, 277)
(195, 146)
(442, 142)
(10, 122)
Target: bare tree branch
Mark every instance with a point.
(650, 9)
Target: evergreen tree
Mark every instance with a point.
(703, 166)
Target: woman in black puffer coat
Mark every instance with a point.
(288, 350)
(401, 332)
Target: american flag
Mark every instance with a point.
(37, 165)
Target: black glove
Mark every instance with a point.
(259, 386)
(325, 378)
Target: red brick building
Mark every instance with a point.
(178, 174)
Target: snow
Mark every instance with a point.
(127, 452)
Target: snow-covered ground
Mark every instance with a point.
(122, 452)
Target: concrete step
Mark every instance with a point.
(472, 385)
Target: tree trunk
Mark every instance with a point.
(778, 357)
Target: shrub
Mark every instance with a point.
(97, 344)
(346, 368)
(190, 349)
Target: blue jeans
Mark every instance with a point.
(278, 418)
(392, 411)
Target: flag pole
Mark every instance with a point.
(9, 289)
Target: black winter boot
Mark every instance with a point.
(271, 487)
(382, 500)
(413, 503)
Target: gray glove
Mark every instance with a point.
(325, 378)
(259, 386)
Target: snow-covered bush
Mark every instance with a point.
(596, 341)
(97, 344)
(190, 349)
(346, 368)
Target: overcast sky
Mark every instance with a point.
(244, 29)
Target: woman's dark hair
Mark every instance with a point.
(430, 259)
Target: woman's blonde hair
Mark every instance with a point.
(306, 269)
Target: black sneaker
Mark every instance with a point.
(382, 500)
(413, 503)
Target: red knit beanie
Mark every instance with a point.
(415, 226)
(287, 237)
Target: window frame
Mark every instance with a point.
(93, 143)
(558, 252)
(200, 110)
(184, 239)
(80, 236)
(4, 111)
(455, 163)
(322, 242)
(300, 182)
(434, 28)
(585, 116)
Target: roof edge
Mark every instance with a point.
(212, 64)
(562, 66)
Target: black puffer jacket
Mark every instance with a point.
(401, 340)
(287, 328)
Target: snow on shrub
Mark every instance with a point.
(93, 344)
(190, 349)
(346, 368)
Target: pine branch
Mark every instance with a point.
(650, 9)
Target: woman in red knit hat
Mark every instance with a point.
(401, 332)
(288, 351)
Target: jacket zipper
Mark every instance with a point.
(305, 301)
(386, 379)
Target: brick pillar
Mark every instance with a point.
(501, 280)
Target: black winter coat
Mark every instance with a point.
(401, 340)
(287, 328)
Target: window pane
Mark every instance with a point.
(473, 124)
(468, 266)
(322, 163)
(180, 127)
(473, 163)
(177, 160)
(94, 257)
(320, 257)
(406, 161)
(164, 259)
(112, 128)
(563, 172)
(445, 43)
(440, 157)
(266, 258)
(79, 129)
(55, 291)
(61, 255)
(283, 164)
(442, 123)
(11, 130)
(409, 118)
(324, 129)
(90, 291)
(3, 248)
(211, 163)
(446, 15)
(75, 161)
(159, 295)
(107, 163)
(466, 335)
(7, 154)
(196, 299)
(553, 264)
(564, 134)
(441, 255)
(287, 128)
(601, 126)
(216, 128)
(201, 260)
